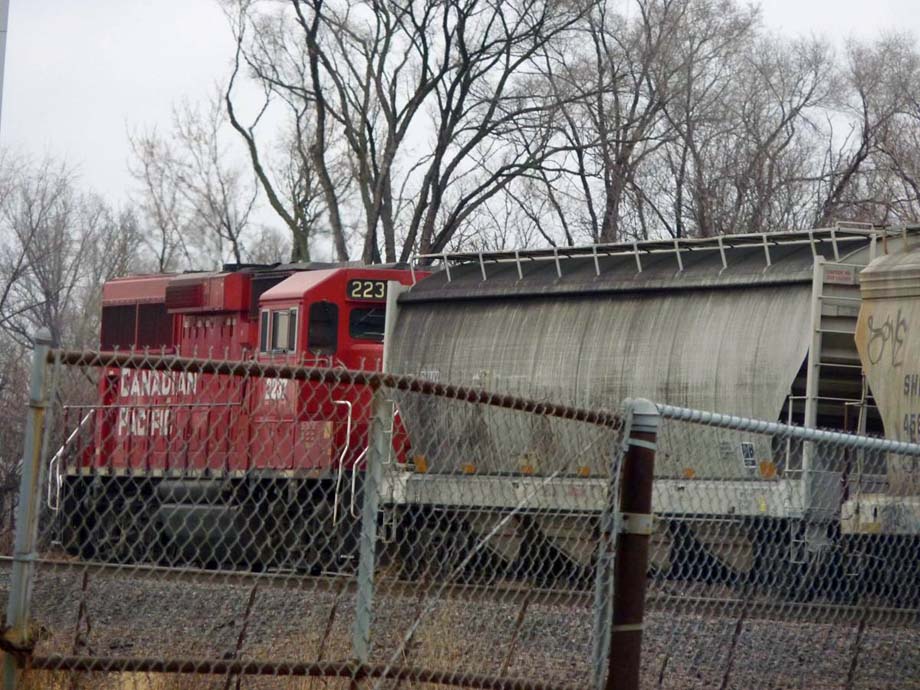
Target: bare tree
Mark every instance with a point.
(59, 246)
(649, 82)
(880, 81)
(159, 204)
(305, 185)
(197, 203)
(416, 97)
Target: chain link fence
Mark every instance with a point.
(209, 523)
(782, 558)
(204, 523)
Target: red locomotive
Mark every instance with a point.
(217, 469)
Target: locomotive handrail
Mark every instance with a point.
(55, 479)
(374, 380)
(338, 478)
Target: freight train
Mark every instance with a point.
(767, 326)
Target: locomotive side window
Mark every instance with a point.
(291, 340)
(322, 334)
(367, 323)
(263, 332)
(283, 330)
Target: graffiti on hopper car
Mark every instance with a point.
(890, 333)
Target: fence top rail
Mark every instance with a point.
(152, 361)
(725, 421)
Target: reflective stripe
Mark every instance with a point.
(640, 443)
(637, 523)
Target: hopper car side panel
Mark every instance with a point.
(888, 338)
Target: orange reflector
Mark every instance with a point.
(421, 463)
(689, 473)
(527, 469)
(469, 468)
(767, 469)
(584, 471)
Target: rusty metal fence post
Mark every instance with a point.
(16, 636)
(632, 550)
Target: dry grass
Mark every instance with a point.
(65, 680)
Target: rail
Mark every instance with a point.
(232, 667)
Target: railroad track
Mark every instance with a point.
(670, 601)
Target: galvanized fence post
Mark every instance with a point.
(17, 610)
(631, 559)
(606, 552)
(378, 452)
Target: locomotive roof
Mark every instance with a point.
(134, 289)
(729, 261)
(298, 283)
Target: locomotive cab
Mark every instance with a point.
(331, 318)
(325, 318)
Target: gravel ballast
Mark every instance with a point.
(128, 616)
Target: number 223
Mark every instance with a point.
(368, 289)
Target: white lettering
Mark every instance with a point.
(276, 389)
(157, 383)
(144, 422)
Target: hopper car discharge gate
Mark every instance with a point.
(758, 326)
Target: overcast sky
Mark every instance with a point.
(80, 73)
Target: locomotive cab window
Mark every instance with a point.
(323, 327)
(367, 323)
(278, 330)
